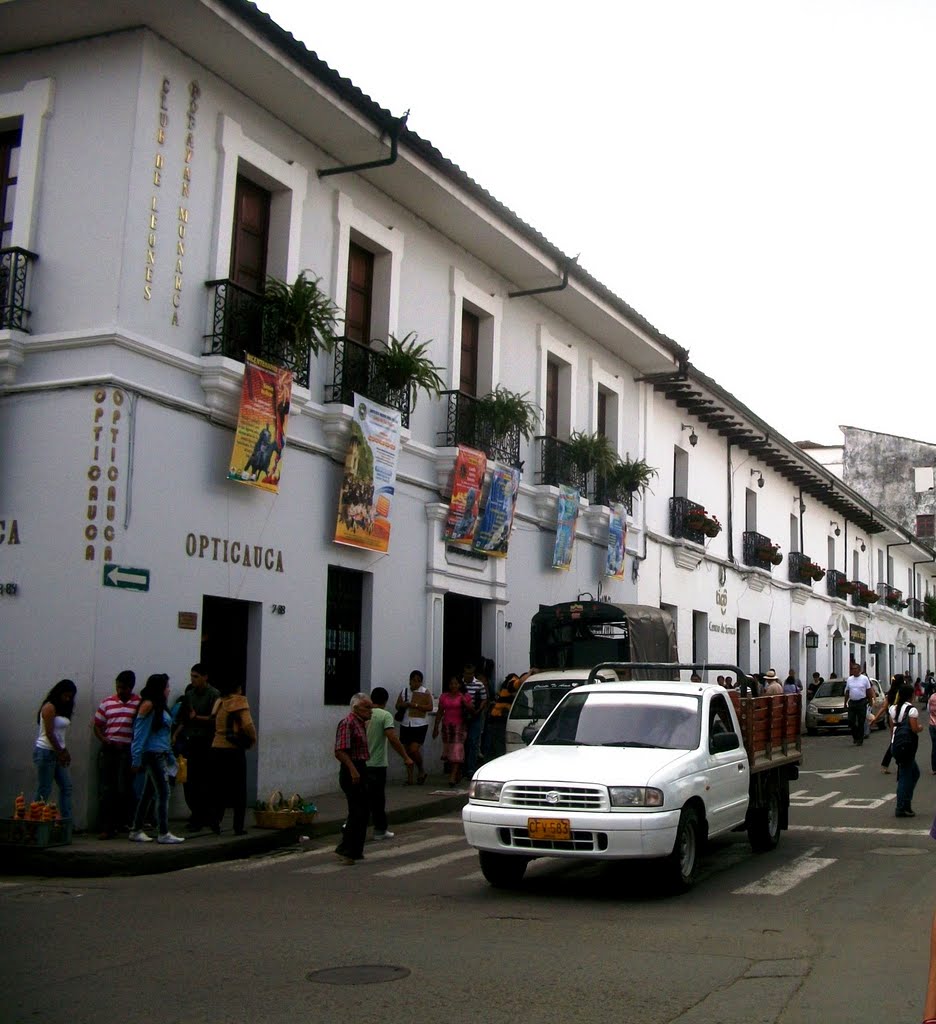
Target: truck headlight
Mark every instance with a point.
(485, 790)
(635, 796)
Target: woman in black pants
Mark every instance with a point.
(234, 735)
(889, 701)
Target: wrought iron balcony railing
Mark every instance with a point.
(605, 494)
(557, 466)
(239, 328)
(755, 550)
(837, 584)
(892, 597)
(683, 513)
(798, 565)
(464, 424)
(859, 598)
(14, 288)
(916, 607)
(359, 368)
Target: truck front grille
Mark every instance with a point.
(563, 797)
(519, 839)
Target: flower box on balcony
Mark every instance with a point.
(701, 521)
(845, 588)
(867, 595)
(811, 571)
(769, 553)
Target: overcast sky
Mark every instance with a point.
(755, 178)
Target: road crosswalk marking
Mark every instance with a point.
(778, 882)
(426, 865)
(861, 830)
(383, 854)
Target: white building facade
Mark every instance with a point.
(139, 145)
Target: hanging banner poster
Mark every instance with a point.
(567, 509)
(369, 480)
(467, 480)
(260, 437)
(617, 538)
(493, 533)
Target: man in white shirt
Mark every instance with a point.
(857, 692)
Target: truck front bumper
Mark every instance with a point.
(597, 835)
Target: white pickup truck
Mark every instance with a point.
(641, 769)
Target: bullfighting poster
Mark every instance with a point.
(260, 438)
(467, 481)
(493, 533)
(567, 509)
(369, 480)
(617, 539)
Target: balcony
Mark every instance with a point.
(892, 597)
(14, 288)
(557, 466)
(684, 515)
(760, 551)
(802, 569)
(358, 369)
(605, 494)
(863, 596)
(464, 426)
(838, 584)
(916, 608)
(238, 330)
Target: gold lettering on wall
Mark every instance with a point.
(96, 515)
(194, 91)
(158, 165)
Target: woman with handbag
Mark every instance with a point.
(235, 733)
(151, 755)
(907, 726)
(413, 705)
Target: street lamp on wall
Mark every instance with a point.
(693, 436)
(835, 528)
(812, 639)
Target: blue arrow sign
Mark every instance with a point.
(125, 578)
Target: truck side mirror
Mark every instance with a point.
(529, 732)
(719, 742)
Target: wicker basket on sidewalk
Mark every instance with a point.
(280, 818)
(278, 812)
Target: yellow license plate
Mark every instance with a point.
(550, 828)
(833, 719)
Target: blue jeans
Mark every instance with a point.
(48, 768)
(907, 776)
(155, 783)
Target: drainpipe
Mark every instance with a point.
(392, 130)
(802, 509)
(729, 525)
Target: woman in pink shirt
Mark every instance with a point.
(453, 716)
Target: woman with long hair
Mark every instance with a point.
(50, 754)
(452, 718)
(889, 701)
(235, 733)
(151, 754)
(905, 715)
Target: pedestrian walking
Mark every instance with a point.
(380, 735)
(151, 755)
(352, 753)
(193, 737)
(234, 734)
(889, 701)
(907, 725)
(857, 692)
(413, 705)
(50, 753)
(477, 692)
(452, 720)
(113, 727)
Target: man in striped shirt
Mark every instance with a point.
(113, 726)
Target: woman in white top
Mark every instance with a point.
(904, 715)
(50, 754)
(415, 702)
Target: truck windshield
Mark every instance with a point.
(669, 721)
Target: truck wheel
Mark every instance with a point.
(682, 862)
(764, 823)
(502, 870)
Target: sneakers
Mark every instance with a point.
(347, 861)
(139, 836)
(168, 839)
(384, 835)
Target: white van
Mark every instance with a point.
(538, 696)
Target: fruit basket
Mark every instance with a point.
(37, 834)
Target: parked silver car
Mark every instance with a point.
(827, 708)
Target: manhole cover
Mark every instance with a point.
(365, 974)
(899, 851)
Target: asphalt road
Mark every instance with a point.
(832, 926)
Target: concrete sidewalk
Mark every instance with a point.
(90, 857)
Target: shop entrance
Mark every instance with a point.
(230, 648)
(462, 635)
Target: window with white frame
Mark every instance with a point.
(474, 341)
(607, 404)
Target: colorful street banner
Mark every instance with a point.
(493, 533)
(617, 540)
(467, 481)
(567, 509)
(369, 480)
(260, 437)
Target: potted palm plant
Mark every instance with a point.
(632, 474)
(503, 411)
(298, 319)
(403, 363)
